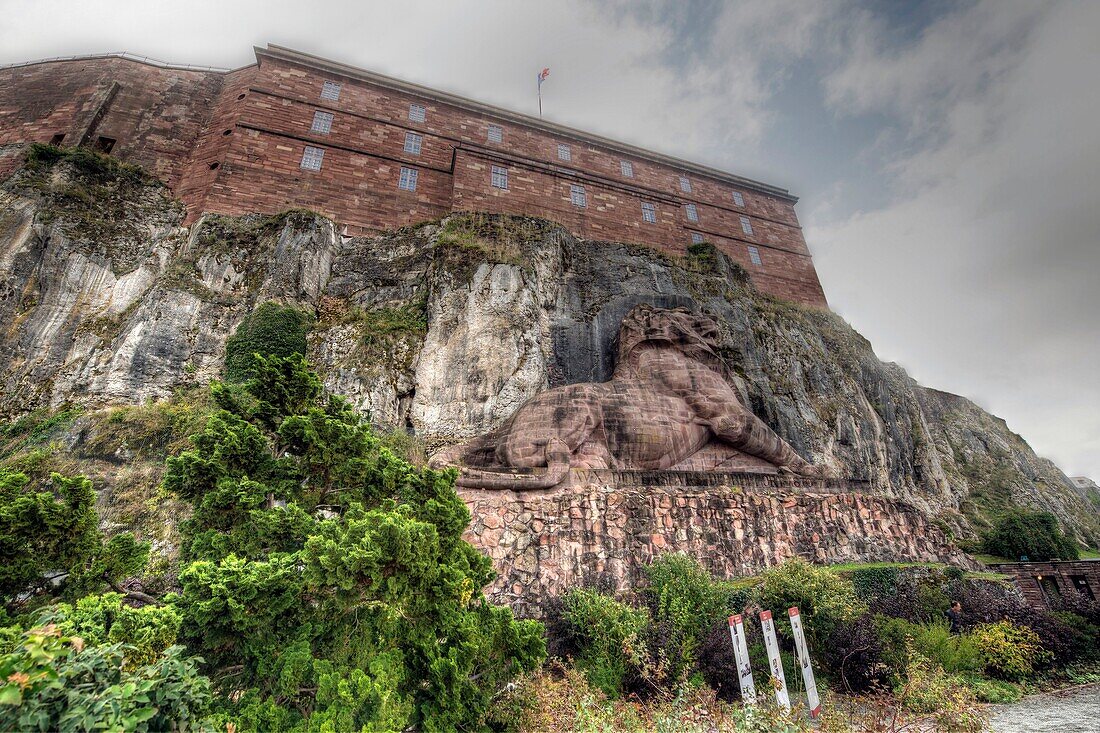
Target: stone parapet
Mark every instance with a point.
(545, 542)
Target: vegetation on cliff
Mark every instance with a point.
(325, 585)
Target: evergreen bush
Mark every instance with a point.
(328, 583)
(1035, 535)
(271, 329)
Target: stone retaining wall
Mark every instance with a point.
(543, 543)
(1045, 584)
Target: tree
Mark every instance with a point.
(1034, 535)
(50, 543)
(328, 578)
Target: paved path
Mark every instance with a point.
(1076, 710)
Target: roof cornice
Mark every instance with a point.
(352, 72)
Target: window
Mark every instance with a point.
(417, 113)
(407, 181)
(499, 177)
(57, 139)
(692, 212)
(312, 157)
(322, 122)
(696, 238)
(413, 142)
(746, 225)
(627, 168)
(564, 153)
(649, 212)
(496, 134)
(330, 90)
(104, 144)
(577, 196)
(754, 256)
(685, 184)
(738, 199)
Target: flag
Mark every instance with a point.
(542, 76)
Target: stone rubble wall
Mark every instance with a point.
(543, 543)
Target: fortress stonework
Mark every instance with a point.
(375, 153)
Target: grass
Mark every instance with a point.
(849, 566)
(989, 559)
(1090, 554)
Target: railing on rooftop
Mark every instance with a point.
(118, 55)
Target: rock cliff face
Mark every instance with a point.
(445, 328)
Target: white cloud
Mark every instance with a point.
(982, 275)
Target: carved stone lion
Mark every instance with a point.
(667, 406)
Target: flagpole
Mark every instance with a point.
(540, 100)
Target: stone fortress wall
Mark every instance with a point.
(235, 142)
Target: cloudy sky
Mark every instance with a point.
(947, 154)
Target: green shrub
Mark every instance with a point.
(608, 635)
(823, 597)
(997, 692)
(685, 601)
(271, 329)
(1034, 535)
(104, 619)
(955, 653)
(328, 579)
(874, 581)
(928, 690)
(54, 682)
(53, 529)
(1009, 651)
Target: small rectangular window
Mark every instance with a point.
(330, 90)
(627, 168)
(407, 181)
(499, 177)
(413, 142)
(57, 139)
(322, 122)
(495, 134)
(312, 157)
(685, 184)
(578, 196)
(417, 113)
(692, 212)
(564, 153)
(754, 256)
(696, 238)
(746, 225)
(738, 199)
(649, 212)
(104, 144)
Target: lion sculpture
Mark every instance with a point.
(666, 407)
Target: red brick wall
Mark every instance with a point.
(155, 116)
(233, 143)
(209, 154)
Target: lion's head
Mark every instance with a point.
(692, 334)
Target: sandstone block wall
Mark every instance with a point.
(543, 543)
(232, 143)
(154, 114)
(1043, 584)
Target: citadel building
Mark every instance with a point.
(373, 152)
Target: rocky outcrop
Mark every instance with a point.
(444, 329)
